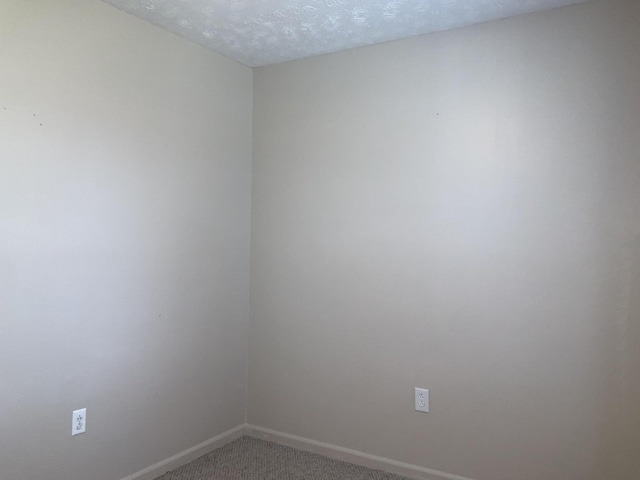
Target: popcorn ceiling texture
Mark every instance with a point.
(264, 32)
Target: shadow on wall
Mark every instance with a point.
(619, 446)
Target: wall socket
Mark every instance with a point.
(422, 400)
(79, 421)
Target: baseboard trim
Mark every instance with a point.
(348, 455)
(388, 465)
(158, 469)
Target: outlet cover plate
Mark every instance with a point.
(79, 421)
(422, 400)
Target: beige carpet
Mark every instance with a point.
(251, 459)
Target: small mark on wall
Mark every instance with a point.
(23, 115)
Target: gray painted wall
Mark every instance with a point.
(125, 157)
(459, 212)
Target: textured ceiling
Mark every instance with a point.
(263, 32)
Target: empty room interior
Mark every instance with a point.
(265, 226)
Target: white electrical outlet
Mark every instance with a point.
(79, 421)
(422, 400)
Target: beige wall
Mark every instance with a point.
(125, 162)
(459, 212)
(456, 211)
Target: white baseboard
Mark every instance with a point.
(328, 450)
(186, 456)
(348, 455)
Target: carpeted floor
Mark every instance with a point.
(249, 458)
